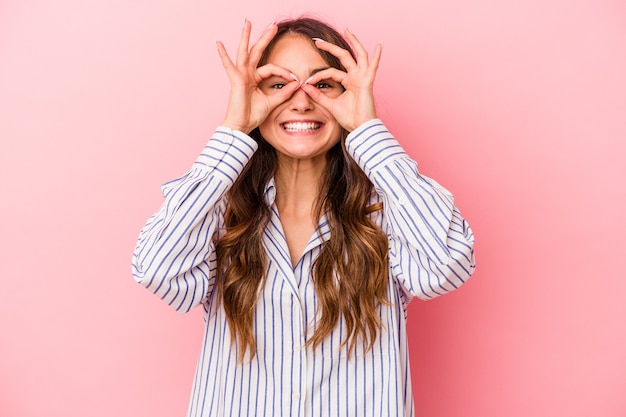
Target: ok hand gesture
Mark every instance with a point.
(248, 106)
(356, 104)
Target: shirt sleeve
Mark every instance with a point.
(431, 246)
(175, 252)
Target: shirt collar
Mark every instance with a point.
(270, 192)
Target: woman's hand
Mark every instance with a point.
(355, 105)
(248, 105)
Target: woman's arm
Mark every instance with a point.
(174, 257)
(430, 243)
(175, 253)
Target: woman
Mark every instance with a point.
(303, 229)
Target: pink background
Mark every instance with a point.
(518, 107)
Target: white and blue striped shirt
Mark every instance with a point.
(430, 253)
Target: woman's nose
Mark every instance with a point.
(300, 101)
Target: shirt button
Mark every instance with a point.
(297, 347)
(295, 395)
(402, 201)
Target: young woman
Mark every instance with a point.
(304, 230)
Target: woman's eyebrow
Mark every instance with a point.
(312, 72)
(318, 70)
(275, 78)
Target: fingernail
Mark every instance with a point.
(294, 77)
(308, 79)
(318, 39)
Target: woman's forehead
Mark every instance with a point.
(296, 51)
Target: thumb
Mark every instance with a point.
(317, 96)
(274, 100)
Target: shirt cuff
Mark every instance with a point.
(372, 146)
(228, 151)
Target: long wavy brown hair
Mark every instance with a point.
(351, 271)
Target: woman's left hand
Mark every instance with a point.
(355, 105)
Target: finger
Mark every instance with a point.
(283, 94)
(269, 70)
(318, 96)
(257, 49)
(333, 74)
(342, 54)
(227, 63)
(242, 49)
(378, 50)
(357, 46)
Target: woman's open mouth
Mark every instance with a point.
(301, 127)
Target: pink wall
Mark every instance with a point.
(518, 107)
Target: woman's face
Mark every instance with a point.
(299, 128)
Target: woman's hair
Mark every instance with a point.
(350, 274)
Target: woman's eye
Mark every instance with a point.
(323, 84)
(277, 86)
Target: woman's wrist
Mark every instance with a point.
(236, 126)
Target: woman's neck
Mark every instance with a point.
(297, 186)
(297, 189)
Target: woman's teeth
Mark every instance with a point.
(301, 126)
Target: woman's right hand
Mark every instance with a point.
(248, 104)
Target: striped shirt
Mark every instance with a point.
(430, 253)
